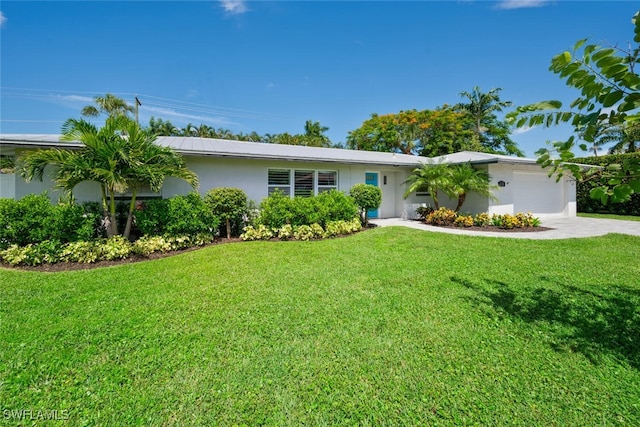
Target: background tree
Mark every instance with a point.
(367, 197)
(110, 105)
(610, 95)
(427, 133)
(490, 132)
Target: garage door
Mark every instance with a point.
(536, 193)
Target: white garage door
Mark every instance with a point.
(536, 193)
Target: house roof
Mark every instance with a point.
(194, 146)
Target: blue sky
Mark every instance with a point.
(268, 66)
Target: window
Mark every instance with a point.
(306, 183)
(280, 179)
(327, 180)
(303, 183)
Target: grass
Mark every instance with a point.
(610, 216)
(392, 326)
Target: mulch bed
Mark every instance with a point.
(72, 266)
(495, 229)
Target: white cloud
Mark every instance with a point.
(234, 7)
(523, 129)
(168, 113)
(521, 4)
(74, 98)
(3, 19)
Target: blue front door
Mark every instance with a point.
(371, 178)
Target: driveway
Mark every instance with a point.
(561, 228)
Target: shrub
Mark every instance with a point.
(463, 221)
(262, 232)
(275, 210)
(423, 211)
(228, 204)
(337, 206)
(303, 232)
(583, 188)
(482, 220)
(442, 216)
(114, 248)
(146, 245)
(46, 252)
(85, 252)
(177, 216)
(278, 210)
(366, 197)
(285, 232)
(33, 219)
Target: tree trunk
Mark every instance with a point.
(132, 205)
(105, 212)
(228, 229)
(112, 208)
(461, 198)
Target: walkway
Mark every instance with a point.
(562, 228)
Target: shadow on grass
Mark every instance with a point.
(594, 324)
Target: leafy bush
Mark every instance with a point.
(114, 248)
(46, 252)
(278, 210)
(176, 216)
(423, 211)
(146, 245)
(482, 220)
(285, 232)
(367, 197)
(33, 219)
(442, 216)
(335, 206)
(304, 232)
(275, 210)
(585, 203)
(463, 221)
(262, 232)
(230, 205)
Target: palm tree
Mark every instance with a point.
(482, 108)
(110, 105)
(464, 179)
(119, 156)
(431, 177)
(149, 165)
(628, 138)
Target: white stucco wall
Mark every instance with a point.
(7, 185)
(251, 176)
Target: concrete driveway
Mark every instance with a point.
(561, 228)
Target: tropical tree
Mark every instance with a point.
(430, 178)
(119, 157)
(110, 105)
(609, 94)
(464, 179)
(627, 138)
(491, 133)
(427, 133)
(161, 127)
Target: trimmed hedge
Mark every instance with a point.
(176, 216)
(278, 210)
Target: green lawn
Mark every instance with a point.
(610, 216)
(392, 326)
